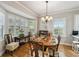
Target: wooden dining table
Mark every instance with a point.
(45, 41)
(50, 43)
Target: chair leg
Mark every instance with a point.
(36, 54)
(11, 52)
(58, 54)
(53, 53)
(31, 53)
(43, 54)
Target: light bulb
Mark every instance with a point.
(47, 17)
(43, 19)
(51, 17)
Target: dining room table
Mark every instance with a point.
(48, 43)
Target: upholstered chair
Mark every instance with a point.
(10, 45)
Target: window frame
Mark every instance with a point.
(3, 25)
(64, 28)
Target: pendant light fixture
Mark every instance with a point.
(46, 18)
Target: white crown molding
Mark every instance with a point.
(26, 8)
(14, 10)
(72, 10)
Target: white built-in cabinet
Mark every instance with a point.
(75, 42)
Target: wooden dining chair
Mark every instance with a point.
(35, 47)
(58, 39)
(52, 50)
(57, 47)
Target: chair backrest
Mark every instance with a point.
(43, 32)
(59, 39)
(8, 38)
(29, 35)
(36, 47)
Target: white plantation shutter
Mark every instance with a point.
(59, 26)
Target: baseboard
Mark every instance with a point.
(66, 44)
(1, 52)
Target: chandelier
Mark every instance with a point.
(47, 17)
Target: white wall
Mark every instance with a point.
(69, 25)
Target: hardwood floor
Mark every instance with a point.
(66, 51)
(23, 51)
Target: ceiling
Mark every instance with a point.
(54, 7)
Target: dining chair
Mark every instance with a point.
(46, 52)
(52, 50)
(35, 47)
(59, 39)
(10, 45)
(57, 47)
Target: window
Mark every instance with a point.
(59, 26)
(17, 25)
(32, 26)
(20, 25)
(1, 25)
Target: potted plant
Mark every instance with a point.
(21, 33)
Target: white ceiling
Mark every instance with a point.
(54, 7)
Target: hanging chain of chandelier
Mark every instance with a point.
(47, 17)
